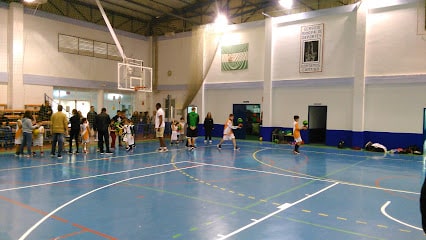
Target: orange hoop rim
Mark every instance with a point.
(137, 88)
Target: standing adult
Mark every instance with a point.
(45, 111)
(75, 130)
(208, 127)
(59, 125)
(102, 122)
(91, 115)
(159, 127)
(192, 132)
(27, 131)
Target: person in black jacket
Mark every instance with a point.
(75, 130)
(208, 127)
(102, 121)
(423, 205)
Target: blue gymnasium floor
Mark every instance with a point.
(261, 192)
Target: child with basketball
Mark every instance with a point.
(85, 134)
(296, 134)
(38, 138)
(129, 134)
(174, 136)
(228, 134)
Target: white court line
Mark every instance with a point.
(82, 178)
(312, 178)
(28, 232)
(280, 209)
(383, 209)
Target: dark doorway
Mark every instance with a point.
(317, 118)
(250, 114)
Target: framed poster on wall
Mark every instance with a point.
(311, 43)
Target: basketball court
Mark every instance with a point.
(262, 191)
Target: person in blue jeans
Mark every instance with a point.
(27, 130)
(59, 127)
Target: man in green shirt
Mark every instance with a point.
(192, 133)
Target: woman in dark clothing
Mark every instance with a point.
(208, 127)
(75, 129)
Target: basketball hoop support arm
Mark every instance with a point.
(111, 30)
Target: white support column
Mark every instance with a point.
(100, 100)
(267, 82)
(358, 108)
(15, 91)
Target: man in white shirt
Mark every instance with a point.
(159, 127)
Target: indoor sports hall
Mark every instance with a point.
(262, 191)
(350, 73)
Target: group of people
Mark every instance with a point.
(30, 131)
(193, 119)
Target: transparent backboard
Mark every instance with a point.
(133, 76)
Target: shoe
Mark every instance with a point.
(219, 146)
(102, 153)
(27, 155)
(59, 156)
(41, 154)
(161, 150)
(128, 148)
(77, 152)
(205, 141)
(296, 152)
(52, 155)
(210, 141)
(69, 152)
(236, 148)
(165, 150)
(109, 152)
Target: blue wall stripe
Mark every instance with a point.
(399, 79)
(68, 82)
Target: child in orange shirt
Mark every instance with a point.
(296, 134)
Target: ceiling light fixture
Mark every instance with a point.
(287, 4)
(221, 20)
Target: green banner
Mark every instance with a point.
(235, 57)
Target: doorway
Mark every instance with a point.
(250, 114)
(317, 122)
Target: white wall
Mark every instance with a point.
(3, 40)
(393, 45)
(43, 58)
(251, 33)
(220, 101)
(395, 108)
(290, 101)
(174, 55)
(339, 34)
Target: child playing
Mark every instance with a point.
(85, 134)
(18, 136)
(112, 128)
(129, 134)
(296, 134)
(38, 138)
(228, 134)
(174, 136)
(181, 129)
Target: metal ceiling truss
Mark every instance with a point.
(160, 17)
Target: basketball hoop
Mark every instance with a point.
(139, 88)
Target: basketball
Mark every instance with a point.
(276, 140)
(36, 132)
(305, 123)
(260, 138)
(240, 120)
